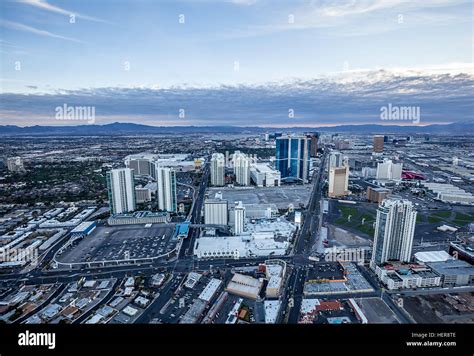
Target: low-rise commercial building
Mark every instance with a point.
(377, 195)
(210, 290)
(272, 309)
(192, 279)
(262, 175)
(454, 273)
(275, 271)
(449, 193)
(194, 312)
(244, 286)
(139, 217)
(83, 229)
(403, 276)
(432, 256)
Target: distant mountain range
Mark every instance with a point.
(123, 129)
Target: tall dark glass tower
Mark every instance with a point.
(293, 157)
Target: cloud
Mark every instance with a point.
(29, 29)
(243, 2)
(343, 8)
(357, 18)
(44, 5)
(352, 97)
(350, 7)
(7, 47)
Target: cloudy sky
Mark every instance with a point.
(236, 62)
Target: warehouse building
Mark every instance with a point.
(432, 256)
(454, 272)
(449, 193)
(83, 229)
(210, 290)
(244, 286)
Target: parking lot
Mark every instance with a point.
(121, 242)
(280, 196)
(326, 271)
(376, 311)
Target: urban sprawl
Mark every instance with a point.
(281, 227)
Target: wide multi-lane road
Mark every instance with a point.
(195, 216)
(308, 236)
(308, 233)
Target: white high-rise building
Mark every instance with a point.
(369, 172)
(166, 179)
(217, 169)
(215, 211)
(241, 168)
(387, 170)
(394, 231)
(15, 164)
(335, 159)
(239, 218)
(121, 188)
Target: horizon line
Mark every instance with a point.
(245, 126)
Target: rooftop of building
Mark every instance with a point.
(272, 308)
(279, 226)
(210, 289)
(402, 266)
(158, 156)
(379, 189)
(215, 201)
(432, 256)
(140, 214)
(466, 247)
(83, 226)
(244, 285)
(263, 167)
(452, 267)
